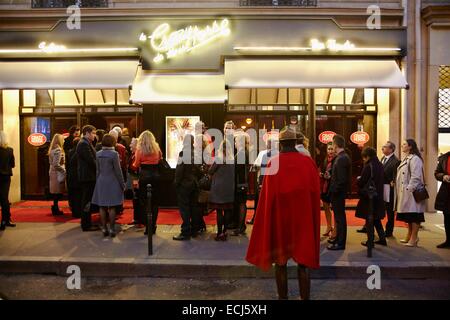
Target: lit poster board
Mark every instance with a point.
(176, 128)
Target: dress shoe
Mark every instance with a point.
(362, 230)
(364, 243)
(10, 224)
(443, 245)
(389, 235)
(221, 237)
(238, 232)
(91, 228)
(2, 226)
(332, 241)
(56, 211)
(381, 242)
(112, 233)
(181, 237)
(335, 247)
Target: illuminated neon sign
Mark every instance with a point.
(316, 45)
(169, 44)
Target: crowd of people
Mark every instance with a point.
(97, 169)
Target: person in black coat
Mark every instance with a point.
(390, 164)
(87, 174)
(442, 203)
(340, 184)
(186, 183)
(73, 184)
(7, 163)
(74, 132)
(373, 169)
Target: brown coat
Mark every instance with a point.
(57, 171)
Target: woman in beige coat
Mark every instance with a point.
(409, 179)
(57, 171)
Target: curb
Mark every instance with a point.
(232, 269)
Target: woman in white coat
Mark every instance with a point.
(410, 178)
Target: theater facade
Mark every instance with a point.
(163, 72)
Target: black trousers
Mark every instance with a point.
(87, 191)
(379, 228)
(447, 225)
(390, 214)
(190, 212)
(74, 195)
(149, 175)
(5, 183)
(338, 204)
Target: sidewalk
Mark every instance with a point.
(51, 247)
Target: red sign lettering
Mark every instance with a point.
(360, 137)
(326, 136)
(37, 139)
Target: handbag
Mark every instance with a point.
(370, 190)
(203, 196)
(164, 170)
(421, 193)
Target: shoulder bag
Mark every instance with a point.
(421, 193)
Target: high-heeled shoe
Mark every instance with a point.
(415, 244)
(404, 240)
(328, 233)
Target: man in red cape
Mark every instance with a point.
(287, 223)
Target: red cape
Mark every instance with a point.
(287, 222)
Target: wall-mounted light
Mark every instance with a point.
(249, 121)
(317, 45)
(53, 48)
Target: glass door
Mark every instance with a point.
(345, 125)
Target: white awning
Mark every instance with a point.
(313, 74)
(178, 88)
(90, 74)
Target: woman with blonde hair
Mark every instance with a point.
(147, 157)
(57, 171)
(7, 163)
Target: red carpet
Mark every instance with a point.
(39, 211)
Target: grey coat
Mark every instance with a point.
(222, 184)
(57, 171)
(110, 184)
(409, 178)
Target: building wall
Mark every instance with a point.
(11, 127)
(388, 4)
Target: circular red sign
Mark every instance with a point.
(37, 139)
(360, 137)
(326, 136)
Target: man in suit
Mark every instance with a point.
(87, 174)
(340, 184)
(390, 164)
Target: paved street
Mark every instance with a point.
(54, 287)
